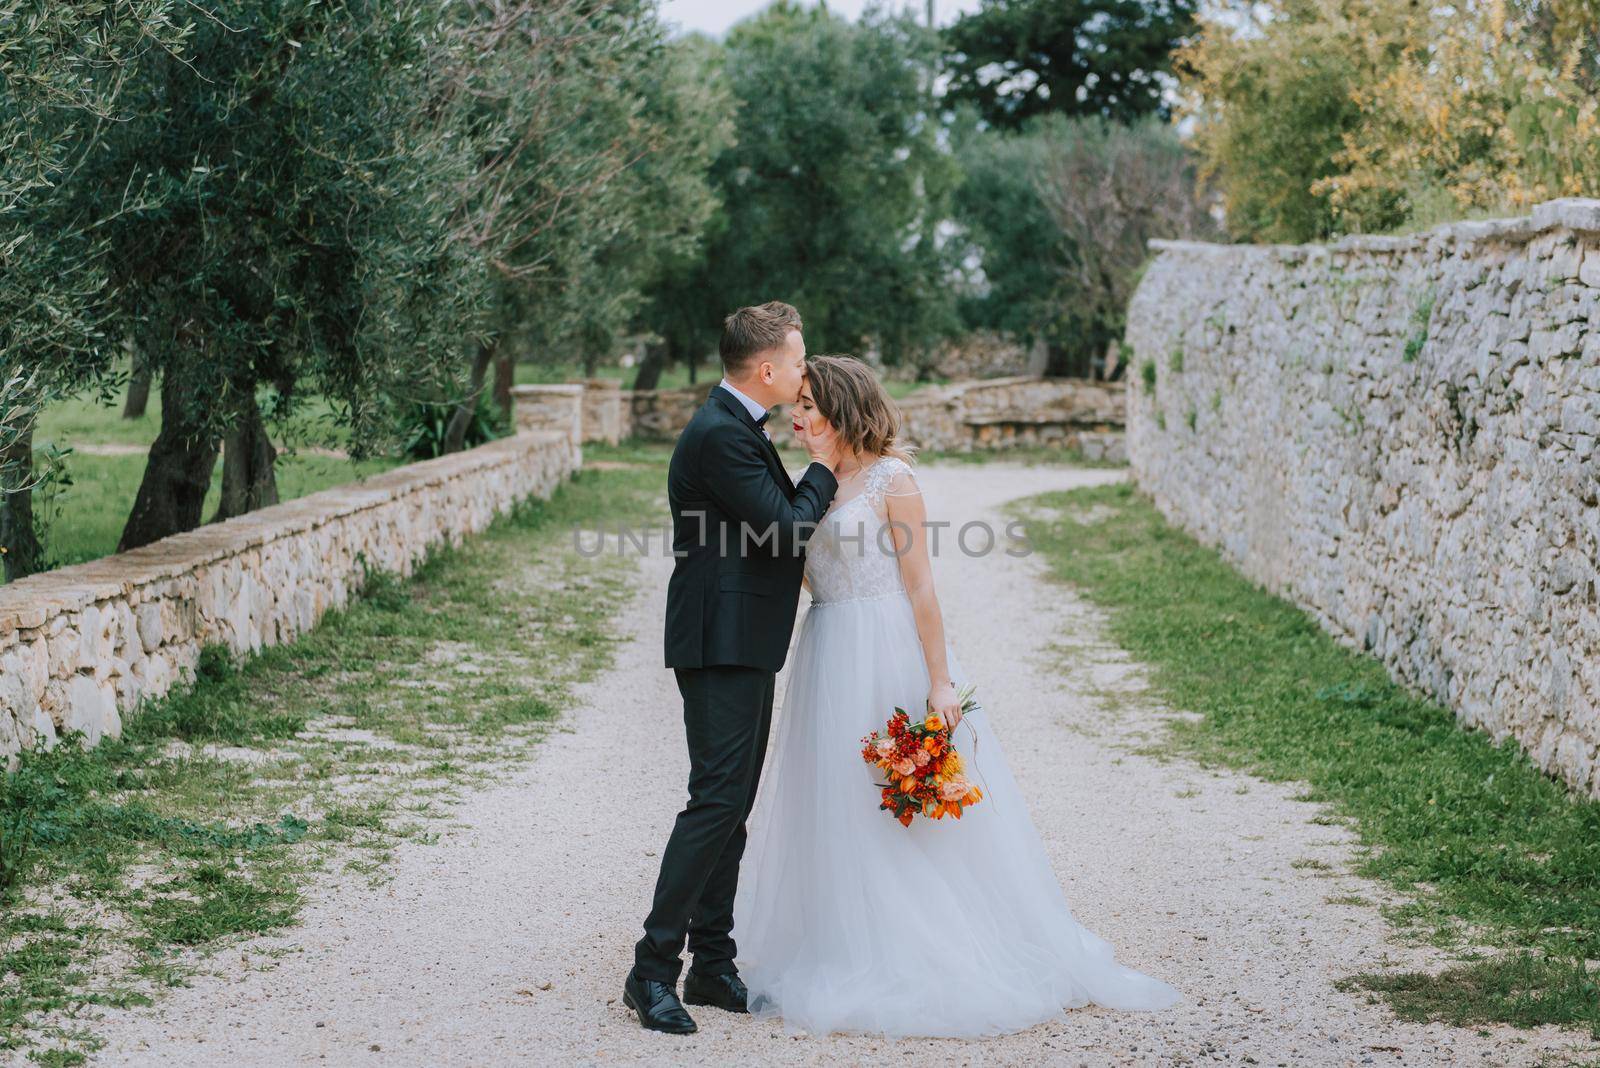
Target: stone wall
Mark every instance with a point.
(1399, 435)
(992, 413)
(607, 412)
(81, 646)
(661, 414)
(557, 409)
(1003, 413)
(982, 354)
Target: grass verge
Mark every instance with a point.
(1499, 864)
(204, 823)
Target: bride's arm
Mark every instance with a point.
(908, 526)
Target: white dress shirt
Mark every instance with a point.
(755, 409)
(756, 412)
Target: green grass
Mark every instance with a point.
(205, 822)
(94, 507)
(84, 420)
(898, 389)
(1488, 851)
(539, 374)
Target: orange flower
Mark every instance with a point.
(922, 768)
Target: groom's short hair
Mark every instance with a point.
(749, 332)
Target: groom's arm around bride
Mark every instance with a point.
(739, 528)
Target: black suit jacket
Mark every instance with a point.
(739, 528)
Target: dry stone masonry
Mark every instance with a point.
(1399, 434)
(81, 646)
(994, 413)
(1000, 413)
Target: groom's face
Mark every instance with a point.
(789, 368)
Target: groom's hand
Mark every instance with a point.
(820, 446)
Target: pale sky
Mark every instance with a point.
(715, 16)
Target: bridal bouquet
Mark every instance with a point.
(922, 766)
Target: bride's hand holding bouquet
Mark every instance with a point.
(925, 774)
(944, 702)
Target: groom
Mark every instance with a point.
(739, 527)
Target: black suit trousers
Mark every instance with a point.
(727, 715)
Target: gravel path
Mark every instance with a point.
(507, 940)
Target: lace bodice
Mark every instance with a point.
(852, 554)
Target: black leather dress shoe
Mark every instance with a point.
(657, 1005)
(726, 991)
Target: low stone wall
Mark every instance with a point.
(661, 414)
(983, 354)
(1399, 434)
(607, 411)
(556, 409)
(81, 646)
(991, 413)
(1004, 413)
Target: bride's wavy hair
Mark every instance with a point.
(850, 397)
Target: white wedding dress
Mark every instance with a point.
(846, 920)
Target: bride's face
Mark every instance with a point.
(805, 418)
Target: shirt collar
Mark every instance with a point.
(755, 410)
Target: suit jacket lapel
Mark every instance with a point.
(732, 403)
(772, 450)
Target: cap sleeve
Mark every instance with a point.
(891, 477)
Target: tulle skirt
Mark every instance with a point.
(847, 921)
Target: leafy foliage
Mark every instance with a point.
(1016, 59)
(597, 142)
(1017, 258)
(830, 195)
(302, 234)
(1058, 216)
(430, 425)
(64, 69)
(1110, 189)
(1473, 119)
(1325, 117)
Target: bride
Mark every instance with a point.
(846, 920)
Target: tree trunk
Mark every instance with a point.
(138, 390)
(249, 479)
(650, 368)
(1067, 362)
(455, 436)
(176, 475)
(17, 534)
(505, 376)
